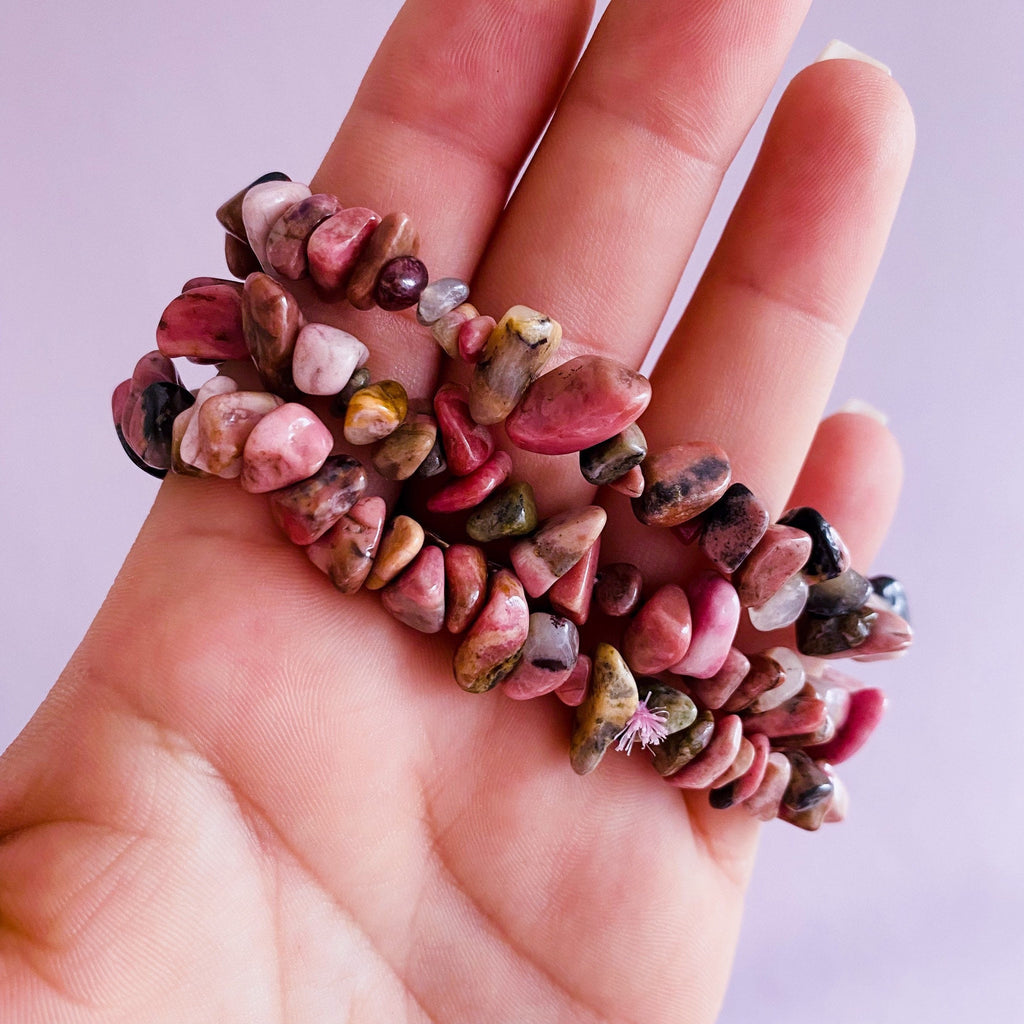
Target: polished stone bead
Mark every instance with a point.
(741, 762)
(440, 297)
(509, 512)
(867, 707)
(715, 611)
(781, 553)
(715, 691)
(519, 346)
(618, 587)
(288, 444)
(764, 802)
(375, 412)
(178, 465)
(783, 608)
(605, 712)
(347, 550)
(229, 213)
(801, 714)
(631, 484)
(404, 450)
(733, 527)
(465, 570)
(890, 637)
(843, 593)
(473, 337)
(152, 367)
(808, 784)
(401, 543)
(335, 245)
(614, 458)
(394, 236)
(810, 819)
(681, 482)
(271, 319)
(549, 656)
(149, 432)
(360, 379)
(660, 633)
(570, 595)
(764, 673)
(203, 324)
(262, 205)
(577, 405)
(469, 491)
(416, 596)
(224, 423)
(467, 444)
(829, 556)
(305, 511)
(493, 644)
(289, 235)
(679, 710)
(837, 635)
(325, 358)
(435, 462)
(447, 328)
(207, 282)
(893, 593)
(400, 283)
(789, 684)
(556, 547)
(219, 385)
(745, 785)
(715, 759)
(680, 748)
(239, 258)
(573, 692)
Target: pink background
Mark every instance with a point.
(124, 127)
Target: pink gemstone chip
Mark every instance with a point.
(764, 803)
(804, 713)
(262, 205)
(334, 247)
(493, 645)
(307, 510)
(778, 556)
(224, 424)
(659, 634)
(715, 759)
(203, 324)
(716, 614)
(573, 692)
(556, 547)
(748, 783)
(465, 571)
(286, 446)
(347, 550)
(549, 655)
(716, 690)
(473, 337)
(571, 594)
(287, 240)
(467, 444)
(416, 597)
(469, 491)
(325, 358)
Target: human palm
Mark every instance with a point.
(250, 799)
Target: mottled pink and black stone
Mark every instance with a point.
(828, 556)
(808, 783)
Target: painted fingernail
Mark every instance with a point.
(838, 50)
(862, 408)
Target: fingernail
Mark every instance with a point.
(838, 50)
(862, 408)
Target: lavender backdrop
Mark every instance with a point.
(124, 126)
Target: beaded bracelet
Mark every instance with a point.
(761, 729)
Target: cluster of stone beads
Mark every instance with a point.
(762, 729)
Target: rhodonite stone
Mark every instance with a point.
(465, 570)
(178, 465)
(610, 460)
(608, 707)
(508, 512)
(549, 656)
(573, 692)
(631, 484)
(890, 637)
(843, 593)
(473, 337)
(790, 683)
(394, 236)
(224, 423)
(271, 319)
(618, 587)
(416, 597)
(715, 611)
(570, 595)
(519, 346)
(828, 556)
(347, 550)
(447, 328)
(375, 412)
(493, 644)
(403, 451)
(401, 543)
(203, 324)
(808, 783)
(576, 405)
(681, 482)
(781, 553)
(556, 547)
(440, 297)
(325, 358)
(679, 749)
(288, 444)
(747, 783)
(837, 635)
(262, 205)
(865, 712)
(892, 592)
(714, 760)
(733, 526)
(741, 762)
(150, 430)
(206, 282)
(715, 691)
(680, 711)
(305, 511)
(229, 213)
(400, 283)
(801, 714)
(783, 608)
(219, 385)
(467, 445)
(764, 802)
(289, 235)
(241, 261)
(764, 673)
(659, 634)
(468, 491)
(152, 367)
(335, 245)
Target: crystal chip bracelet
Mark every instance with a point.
(763, 729)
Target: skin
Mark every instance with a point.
(249, 799)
